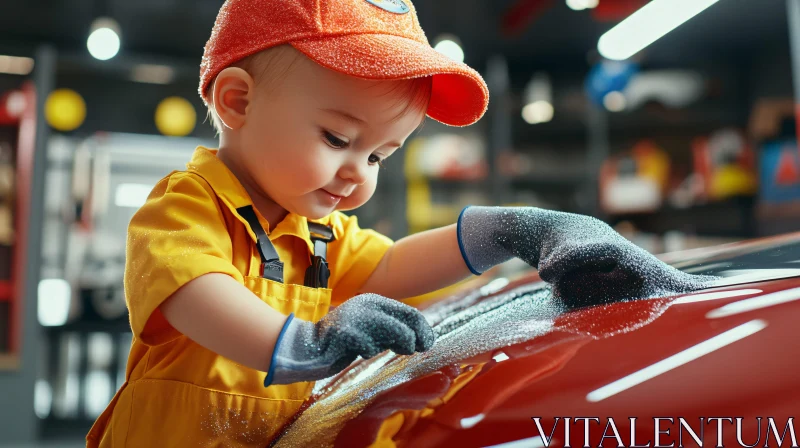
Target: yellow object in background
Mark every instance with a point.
(653, 163)
(732, 180)
(175, 117)
(65, 110)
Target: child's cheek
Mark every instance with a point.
(312, 168)
(360, 195)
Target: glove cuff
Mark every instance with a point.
(480, 234)
(271, 373)
(461, 243)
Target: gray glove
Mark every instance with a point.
(584, 259)
(364, 326)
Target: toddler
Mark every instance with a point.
(244, 280)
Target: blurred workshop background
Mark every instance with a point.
(688, 142)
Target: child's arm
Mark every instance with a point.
(223, 316)
(419, 264)
(585, 260)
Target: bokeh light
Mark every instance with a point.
(175, 116)
(65, 110)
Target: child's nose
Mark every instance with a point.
(354, 172)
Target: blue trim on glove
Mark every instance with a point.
(461, 244)
(268, 380)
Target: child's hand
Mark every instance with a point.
(364, 326)
(585, 260)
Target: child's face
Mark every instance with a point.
(313, 141)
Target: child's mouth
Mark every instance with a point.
(329, 197)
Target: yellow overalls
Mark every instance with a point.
(176, 392)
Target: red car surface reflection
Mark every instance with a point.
(669, 371)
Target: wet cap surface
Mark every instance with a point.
(459, 96)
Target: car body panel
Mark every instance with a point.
(728, 351)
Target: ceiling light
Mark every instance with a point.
(647, 25)
(614, 101)
(538, 98)
(104, 42)
(538, 112)
(449, 46)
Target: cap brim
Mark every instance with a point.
(459, 95)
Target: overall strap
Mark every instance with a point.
(271, 265)
(321, 235)
(318, 273)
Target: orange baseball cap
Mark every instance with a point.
(372, 39)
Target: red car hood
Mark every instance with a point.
(508, 373)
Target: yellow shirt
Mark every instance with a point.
(178, 393)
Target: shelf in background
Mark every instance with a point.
(440, 181)
(643, 122)
(69, 428)
(531, 180)
(734, 218)
(560, 131)
(778, 218)
(541, 180)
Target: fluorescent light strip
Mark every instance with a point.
(716, 296)
(14, 65)
(755, 303)
(677, 360)
(647, 25)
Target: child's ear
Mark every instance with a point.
(233, 91)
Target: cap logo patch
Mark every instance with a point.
(395, 6)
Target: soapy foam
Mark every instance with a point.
(484, 325)
(506, 320)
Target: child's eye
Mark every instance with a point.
(373, 159)
(333, 140)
